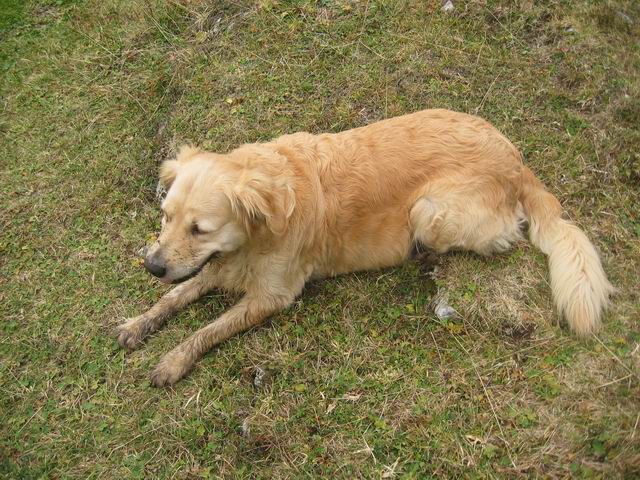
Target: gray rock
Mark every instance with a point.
(443, 310)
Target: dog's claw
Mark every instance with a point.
(172, 367)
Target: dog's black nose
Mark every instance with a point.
(155, 266)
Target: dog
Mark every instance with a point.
(267, 217)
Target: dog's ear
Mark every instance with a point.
(169, 168)
(168, 172)
(262, 199)
(186, 153)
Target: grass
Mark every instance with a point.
(358, 378)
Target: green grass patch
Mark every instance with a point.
(359, 378)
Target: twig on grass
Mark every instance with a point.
(631, 372)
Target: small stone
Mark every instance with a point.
(262, 377)
(258, 379)
(246, 427)
(216, 25)
(448, 6)
(443, 310)
(625, 17)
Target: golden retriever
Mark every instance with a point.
(265, 218)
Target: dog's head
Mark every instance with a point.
(217, 204)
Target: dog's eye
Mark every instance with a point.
(195, 230)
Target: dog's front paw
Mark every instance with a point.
(131, 333)
(172, 367)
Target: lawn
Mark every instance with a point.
(359, 378)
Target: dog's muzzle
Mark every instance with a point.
(155, 265)
(214, 255)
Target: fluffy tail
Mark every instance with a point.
(580, 287)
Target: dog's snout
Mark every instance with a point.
(155, 265)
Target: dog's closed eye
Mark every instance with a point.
(195, 230)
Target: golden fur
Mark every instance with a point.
(265, 218)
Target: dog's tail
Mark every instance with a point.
(580, 287)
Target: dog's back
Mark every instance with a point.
(372, 176)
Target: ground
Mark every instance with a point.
(359, 378)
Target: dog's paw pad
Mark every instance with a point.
(171, 368)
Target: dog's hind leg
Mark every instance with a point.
(458, 220)
(133, 331)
